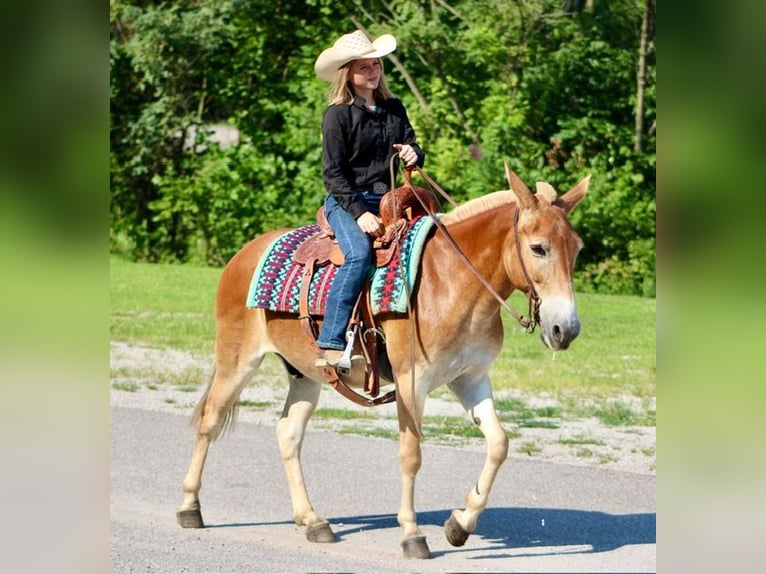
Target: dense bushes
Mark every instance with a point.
(551, 90)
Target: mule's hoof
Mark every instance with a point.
(320, 532)
(416, 547)
(456, 534)
(190, 518)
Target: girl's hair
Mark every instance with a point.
(341, 93)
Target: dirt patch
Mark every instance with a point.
(173, 381)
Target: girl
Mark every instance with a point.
(362, 128)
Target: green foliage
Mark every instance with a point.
(549, 86)
(222, 200)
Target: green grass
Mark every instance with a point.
(580, 441)
(370, 431)
(529, 448)
(347, 414)
(172, 306)
(515, 410)
(617, 413)
(605, 458)
(614, 355)
(258, 405)
(188, 376)
(127, 387)
(163, 306)
(437, 426)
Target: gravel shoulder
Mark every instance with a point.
(173, 381)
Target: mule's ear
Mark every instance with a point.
(572, 197)
(525, 197)
(546, 191)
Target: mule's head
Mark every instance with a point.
(548, 247)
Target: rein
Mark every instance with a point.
(528, 324)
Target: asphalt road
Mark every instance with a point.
(542, 517)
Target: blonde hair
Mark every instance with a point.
(342, 93)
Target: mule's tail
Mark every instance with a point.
(229, 421)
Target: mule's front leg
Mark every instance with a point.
(299, 406)
(462, 523)
(414, 544)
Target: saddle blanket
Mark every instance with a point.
(277, 279)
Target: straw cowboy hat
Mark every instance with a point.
(350, 47)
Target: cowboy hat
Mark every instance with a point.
(350, 47)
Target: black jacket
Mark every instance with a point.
(357, 145)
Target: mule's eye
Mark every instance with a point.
(538, 250)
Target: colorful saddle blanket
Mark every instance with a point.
(276, 282)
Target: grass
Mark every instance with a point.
(580, 441)
(377, 432)
(163, 306)
(434, 427)
(258, 405)
(346, 414)
(618, 413)
(529, 448)
(614, 355)
(127, 387)
(186, 377)
(515, 410)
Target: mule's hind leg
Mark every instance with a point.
(301, 401)
(476, 398)
(213, 413)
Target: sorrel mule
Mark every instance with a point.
(458, 332)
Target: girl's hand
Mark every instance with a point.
(407, 154)
(370, 224)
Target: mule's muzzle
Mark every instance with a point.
(558, 336)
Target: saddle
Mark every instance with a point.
(397, 208)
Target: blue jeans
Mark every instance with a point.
(356, 246)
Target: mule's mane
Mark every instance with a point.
(478, 205)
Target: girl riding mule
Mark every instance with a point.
(515, 239)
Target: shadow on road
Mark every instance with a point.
(532, 531)
(519, 531)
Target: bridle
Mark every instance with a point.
(533, 318)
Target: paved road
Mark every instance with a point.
(542, 517)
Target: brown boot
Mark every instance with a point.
(328, 357)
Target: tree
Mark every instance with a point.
(647, 35)
(554, 87)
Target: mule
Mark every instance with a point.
(517, 240)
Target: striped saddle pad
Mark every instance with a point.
(276, 282)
